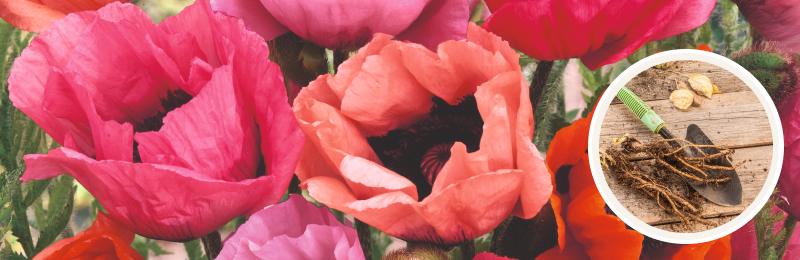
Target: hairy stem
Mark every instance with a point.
(365, 237)
(212, 243)
(467, 250)
(539, 82)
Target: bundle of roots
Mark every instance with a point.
(668, 163)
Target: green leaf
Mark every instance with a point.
(59, 210)
(593, 100)
(8, 254)
(194, 250)
(717, 42)
(550, 115)
(35, 189)
(704, 34)
(156, 249)
(380, 241)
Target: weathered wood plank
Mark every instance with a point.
(681, 228)
(752, 174)
(657, 84)
(733, 119)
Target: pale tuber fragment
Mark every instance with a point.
(682, 98)
(715, 89)
(701, 84)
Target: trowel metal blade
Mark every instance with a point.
(727, 193)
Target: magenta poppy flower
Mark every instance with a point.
(600, 32)
(775, 20)
(175, 128)
(427, 147)
(352, 23)
(293, 229)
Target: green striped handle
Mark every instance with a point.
(644, 112)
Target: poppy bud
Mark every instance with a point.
(774, 66)
(422, 252)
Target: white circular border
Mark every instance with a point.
(750, 211)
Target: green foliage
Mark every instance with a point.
(551, 115)
(194, 249)
(380, 241)
(593, 100)
(145, 245)
(729, 31)
(59, 211)
(772, 243)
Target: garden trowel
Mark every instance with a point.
(728, 193)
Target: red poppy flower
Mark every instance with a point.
(105, 239)
(36, 15)
(586, 228)
(170, 127)
(428, 147)
(598, 31)
(704, 47)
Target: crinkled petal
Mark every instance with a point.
(294, 229)
(440, 21)
(339, 24)
(368, 179)
(156, 201)
(456, 218)
(254, 14)
(385, 96)
(210, 134)
(690, 15)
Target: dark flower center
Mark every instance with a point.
(173, 100)
(420, 151)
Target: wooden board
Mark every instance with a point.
(733, 119)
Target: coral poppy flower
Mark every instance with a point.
(105, 239)
(37, 15)
(293, 229)
(600, 32)
(175, 129)
(744, 246)
(352, 23)
(587, 229)
(775, 20)
(429, 148)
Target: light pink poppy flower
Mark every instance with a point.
(427, 147)
(352, 23)
(775, 20)
(600, 32)
(293, 229)
(175, 128)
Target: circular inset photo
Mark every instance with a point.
(682, 146)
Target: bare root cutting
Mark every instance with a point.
(668, 163)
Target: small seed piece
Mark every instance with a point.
(682, 98)
(715, 89)
(701, 84)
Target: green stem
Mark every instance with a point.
(497, 234)
(467, 250)
(788, 227)
(365, 237)
(212, 243)
(539, 81)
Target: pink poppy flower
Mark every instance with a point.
(37, 15)
(175, 128)
(352, 23)
(600, 32)
(427, 147)
(743, 241)
(775, 20)
(293, 229)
